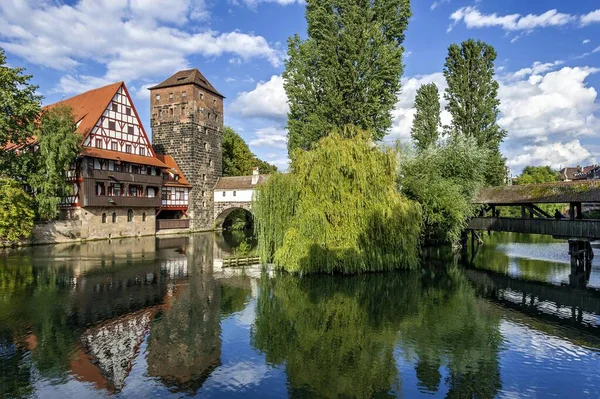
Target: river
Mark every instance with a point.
(160, 317)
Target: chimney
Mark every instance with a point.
(255, 176)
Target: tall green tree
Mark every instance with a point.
(347, 71)
(58, 145)
(425, 126)
(16, 212)
(472, 96)
(537, 174)
(238, 160)
(19, 103)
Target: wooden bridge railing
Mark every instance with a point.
(170, 224)
(579, 228)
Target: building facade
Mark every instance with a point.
(187, 124)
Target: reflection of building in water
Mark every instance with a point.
(113, 345)
(184, 345)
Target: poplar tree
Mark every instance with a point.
(347, 71)
(472, 96)
(238, 160)
(425, 126)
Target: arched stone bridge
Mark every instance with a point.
(233, 193)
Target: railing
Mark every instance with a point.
(172, 224)
(579, 228)
(121, 201)
(121, 176)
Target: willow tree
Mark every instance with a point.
(348, 216)
(347, 71)
(58, 144)
(472, 96)
(427, 121)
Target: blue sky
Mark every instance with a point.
(548, 62)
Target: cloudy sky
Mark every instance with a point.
(548, 61)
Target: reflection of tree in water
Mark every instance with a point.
(336, 335)
(184, 345)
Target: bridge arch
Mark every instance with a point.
(222, 212)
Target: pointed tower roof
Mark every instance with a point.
(186, 77)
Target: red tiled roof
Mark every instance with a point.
(173, 167)
(122, 156)
(186, 77)
(239, 182)
(88, 107)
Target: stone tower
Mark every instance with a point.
(187, 123)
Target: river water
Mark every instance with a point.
(160, 317)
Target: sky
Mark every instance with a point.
(548, 64)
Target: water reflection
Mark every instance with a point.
(158, 318)
(337, 335)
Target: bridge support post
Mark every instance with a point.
(581, 262)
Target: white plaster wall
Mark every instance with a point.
(240, 196)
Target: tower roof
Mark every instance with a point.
(186, 77)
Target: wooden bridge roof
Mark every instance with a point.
(546, 193)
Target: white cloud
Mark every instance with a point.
(555, 154)
(586, 41)
(537, 68)
(558, 103)
(74, 85)
(438, 3)
(590, 18)
(270, 136)
(267, 100)
(143, 92)
(473, 18)
(132, 39)
(254, 3)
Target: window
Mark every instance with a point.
(171, 111)
(115, 107)
(130, 129)
(104, 218)
(100, 188)
(234, 193)
(201, 96)
(115, 190)
(135, 190)
(214, 101)
(135, 169)
(129, 215)
(114, 146)
(143, 216)
(210, 162)
(111, 125)
(224, 193)
(170, 96)
(206, 146)
(128, 110)
(114, 217)
(183, 94)
(204, 177)
(203, 193)
(98, 143)
(128, 148)
(157, 97)
(117, 166)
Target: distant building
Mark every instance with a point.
(591, 172)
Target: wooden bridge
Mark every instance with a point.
(533, 219)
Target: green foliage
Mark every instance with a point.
(472, 96)
(425, 126)
(336, 336)
(59, 145)
(16, 212)
(238, 160)
(347, 71)
(537, 174)
(19, 104)
(348, 216)
(444, 180)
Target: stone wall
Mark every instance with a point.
(190, 129)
